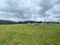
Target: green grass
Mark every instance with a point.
(24, 34)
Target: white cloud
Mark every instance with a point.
(54, 13)
(20, 10)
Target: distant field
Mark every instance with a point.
(25, 34)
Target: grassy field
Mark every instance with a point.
(24, 34)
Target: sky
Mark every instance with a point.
(30, 10)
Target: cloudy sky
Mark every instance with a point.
(26, 10)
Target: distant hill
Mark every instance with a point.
(22, 22)
(7, 22)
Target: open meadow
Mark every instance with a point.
(25, 34)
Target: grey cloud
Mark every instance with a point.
(37, 10)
